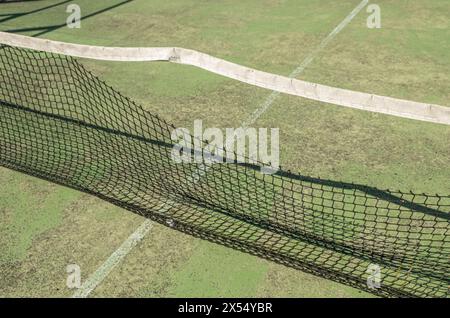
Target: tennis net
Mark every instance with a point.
(60, 122)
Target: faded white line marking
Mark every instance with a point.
(273, 96)
(99, 275)
(263, 107)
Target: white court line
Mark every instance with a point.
(203, 168)
(99, 275)
(271, 98)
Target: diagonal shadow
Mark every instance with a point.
(18, 15)
(372, 191)
(50, 28)
(9, 1)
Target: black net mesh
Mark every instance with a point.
(61, 123)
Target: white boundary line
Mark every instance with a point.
(102, 272)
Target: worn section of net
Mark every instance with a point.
(61, 123)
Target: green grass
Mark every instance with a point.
(226, 273)
(51, 226)
(38, 210)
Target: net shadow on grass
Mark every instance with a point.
(50, 28)
(61, 123)
(12, 16)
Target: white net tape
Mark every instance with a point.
(337, 96)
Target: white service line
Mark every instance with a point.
(100, 274)
(263, 107)
(271, 98)
(95, 279)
